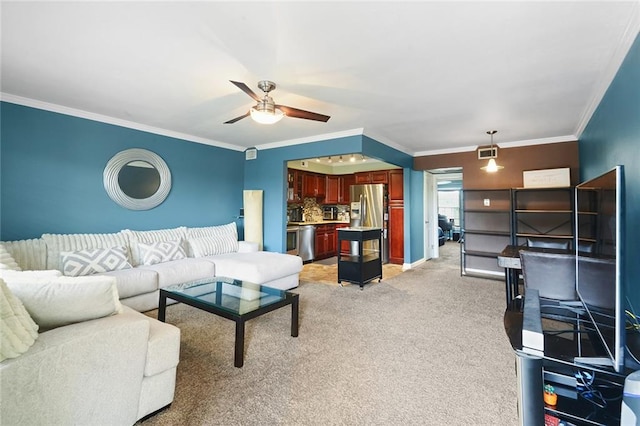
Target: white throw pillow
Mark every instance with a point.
(208, 246)
(18, 332)
(56, 301)
(161, 251)
(7, 261)
(94, 261)
(211, 240)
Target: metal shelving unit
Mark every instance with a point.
(486, 231)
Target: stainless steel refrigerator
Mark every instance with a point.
(369, 208)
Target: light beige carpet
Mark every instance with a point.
(426, 347)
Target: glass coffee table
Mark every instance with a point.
(233, 299)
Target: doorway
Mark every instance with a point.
(443, 198)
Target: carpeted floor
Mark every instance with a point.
(426, 347)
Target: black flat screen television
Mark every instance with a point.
(599, 262)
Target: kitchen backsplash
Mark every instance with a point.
(313, 211)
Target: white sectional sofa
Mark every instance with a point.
(205, 252)
(93, 360)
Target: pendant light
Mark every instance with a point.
(492, 166)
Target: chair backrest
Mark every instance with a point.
(552, 274)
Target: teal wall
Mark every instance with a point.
(268, 173)
(415, 206)
(51, 177)
(612, 137)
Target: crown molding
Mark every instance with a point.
(541, 141)
(617, 58)
(19, 100)
(446, 151)
(528, 142)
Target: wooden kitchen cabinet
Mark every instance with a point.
(314, 185)
(325, 241)
(396, 186)
(343, 189)
(378, 176)
(332, 189)
(396, 233)
(294, 185)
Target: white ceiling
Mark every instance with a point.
(424, 77)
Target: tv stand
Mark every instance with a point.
(567, 361)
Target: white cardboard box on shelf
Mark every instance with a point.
(548, 178)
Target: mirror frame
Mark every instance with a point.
(121, 159)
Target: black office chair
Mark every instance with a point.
(444, 223)
(552, 274)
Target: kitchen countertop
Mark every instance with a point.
(319, 222)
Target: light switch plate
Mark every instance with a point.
(487, 202)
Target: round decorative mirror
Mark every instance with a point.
(137, 179)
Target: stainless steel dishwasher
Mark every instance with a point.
(307, 240)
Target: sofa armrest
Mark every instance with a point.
(248, 247)
(84, 373)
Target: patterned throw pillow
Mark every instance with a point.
(161, 251)
(95, 261)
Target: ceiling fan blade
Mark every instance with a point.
(233, 120)
(246, 89)
(300, 113)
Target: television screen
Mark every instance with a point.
(599, 229)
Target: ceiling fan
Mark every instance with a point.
(268, 112)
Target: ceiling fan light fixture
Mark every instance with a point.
(264, 116)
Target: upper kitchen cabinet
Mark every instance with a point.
(343, 189)
(314, 185)
(379, 176)
(294, 186)
(332, 189)
(396, 186)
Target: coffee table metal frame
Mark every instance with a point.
(240, 319)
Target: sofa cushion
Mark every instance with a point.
(163, 350)
(210, 240)
(57, 243)
(160, 251)
(56, 301)
(134, 281)
(18, 332)
(94, 261)
(257, 267)
(9, 274)
(181, 271)
(148, 237)
(7, 261)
